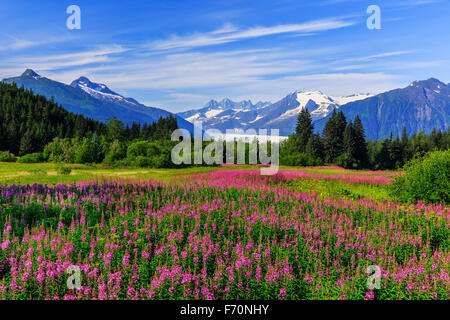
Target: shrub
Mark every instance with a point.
(89, 151)
(347, 161)
(116, 151)
(299, 159)
(62, 150)
(37, 172)
(426, 179)
(155, 154)
(63, 170)
(440, 237)
(290, 156)
(32, 158)
(6, 156)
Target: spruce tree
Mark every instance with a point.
(350, 147)
(333, 134)
(396, 154)
(361, 146)
(26, 143)
(314, 147)
(304, 129)
(383, 158)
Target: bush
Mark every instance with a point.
(299, 159)
(290, 156)
(116, 151)
(37, 172)
(63, 170)
(155, 154)
(6, 156)
(62, 150)
(426, 179)
(347, 161)
(440, 237)
(32, 158)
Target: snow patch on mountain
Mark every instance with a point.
(227, 114)
(101, 92)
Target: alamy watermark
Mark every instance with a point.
(374, 280)
(74, 20)
(374, 21)
(74, 279)
(213, 153)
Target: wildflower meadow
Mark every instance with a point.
(224, 234)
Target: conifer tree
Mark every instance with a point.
(350, 147)
(304, 129)
(360, 138)
(333, 134)
(314, 147)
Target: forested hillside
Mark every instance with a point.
(28, 122)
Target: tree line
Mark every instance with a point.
(344, 143)
(36, 128)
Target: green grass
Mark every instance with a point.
(340, 189)
(46, 173)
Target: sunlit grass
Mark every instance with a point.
(46, 173)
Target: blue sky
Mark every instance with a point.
(178, 54)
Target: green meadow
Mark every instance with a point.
(47, 173)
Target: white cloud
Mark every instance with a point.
(379, 55)
(20, 44)
(101, 54)
(230, 33)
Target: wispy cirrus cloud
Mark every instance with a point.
(418, 2)
(379, 55)
(230, 33)
(13, 43)
(54, 62)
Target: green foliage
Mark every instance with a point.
(28, 122)
(304, 129)
(63, 170)
(440, 237)
(315, 147)
(31, 123)
(90, 151)
(360, 143)
(155, 154)
(37, 172)
(6, 156)
(290, 156)
(349, 158)
(426, 179)
(62, 150)
(115, 152)
(32, 158)
(333, 135)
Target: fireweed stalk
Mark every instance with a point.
(215, 236)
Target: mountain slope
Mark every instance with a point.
(281, 115)
(94, 100)
(423, 105)
(213, 108)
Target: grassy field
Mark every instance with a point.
(46, 173)
(216, 233)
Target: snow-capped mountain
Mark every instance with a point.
(421, 106)
(214, 108)
(280, 115)
(101, 92)
(93, 100)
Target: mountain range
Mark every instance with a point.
(282, 115)
(421, 106)
(93, 100)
